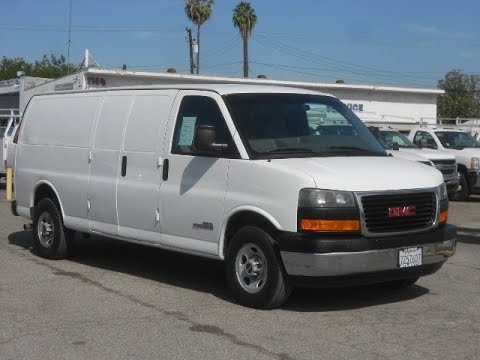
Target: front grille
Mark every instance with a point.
(446, 167)
(377, 214)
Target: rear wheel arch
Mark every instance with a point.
(45, 190)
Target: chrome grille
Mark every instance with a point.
(446, 167)
(377, 217)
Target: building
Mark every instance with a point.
(373, 104)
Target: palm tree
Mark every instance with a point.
(244, 18)
(198, 11)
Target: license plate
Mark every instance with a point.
(410, 257)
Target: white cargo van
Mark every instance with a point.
(236, 173)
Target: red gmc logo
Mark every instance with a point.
(402, 211)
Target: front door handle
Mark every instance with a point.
(124, 166)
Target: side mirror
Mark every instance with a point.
(395, 146)
(204, 139)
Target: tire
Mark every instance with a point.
(264, 284)
(401, 284)
(50, 238)
(463, 189)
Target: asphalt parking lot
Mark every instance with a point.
(120, 301)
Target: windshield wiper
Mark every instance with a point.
(289, 150)
(351, 148)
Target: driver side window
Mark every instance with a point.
(195, 111)
(423, 135)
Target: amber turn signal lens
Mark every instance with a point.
(330, 225)
(443, 217)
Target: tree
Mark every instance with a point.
(48, 67)
(199, 11)
(9, 67)
(462, 95)
(244, 18)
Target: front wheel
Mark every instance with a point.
(50, 238)
(254, 270)
(463, 190)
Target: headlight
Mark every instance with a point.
(326, 198)
(474, 163)
(442, 192)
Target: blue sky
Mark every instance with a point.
(373, 42)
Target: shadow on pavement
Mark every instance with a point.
(468, 235)
(206, 275)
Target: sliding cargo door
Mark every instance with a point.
(138, 190)
(104, 163)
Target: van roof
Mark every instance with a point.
(221, 89)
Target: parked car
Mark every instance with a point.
(8, 121)
(462, 145)
(400, 145)
(235, 173)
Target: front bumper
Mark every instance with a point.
(330, 256)
(452, 185)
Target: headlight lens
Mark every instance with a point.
(325, 198)
(474, 163)
(442, 190)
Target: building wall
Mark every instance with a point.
(371, 104)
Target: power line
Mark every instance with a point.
(332, 63)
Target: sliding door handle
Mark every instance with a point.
(124, 166)
(165, 170)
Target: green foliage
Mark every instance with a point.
(244, 18)
(199, 11)
(48, 67)
(462, 95)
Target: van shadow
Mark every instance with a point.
(468, 235)
(208, 276)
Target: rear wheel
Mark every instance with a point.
(50, 238)
(463, 189)
(255, 273)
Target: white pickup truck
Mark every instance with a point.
(8, 121)
(399, 145)
(462, 145)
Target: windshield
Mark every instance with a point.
(457, 139)
(297, 125)
(391, 137)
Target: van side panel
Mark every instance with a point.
(54, 147)
(138, 191)
(104, 164)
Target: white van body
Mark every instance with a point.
(115, 165)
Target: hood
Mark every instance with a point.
(430, 153)
(407, 155)
(370, 173)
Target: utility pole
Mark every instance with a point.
(69, 33)
(190, 45)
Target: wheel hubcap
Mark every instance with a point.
(251, 268)
(45, 229)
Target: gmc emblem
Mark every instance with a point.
(402, 211)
